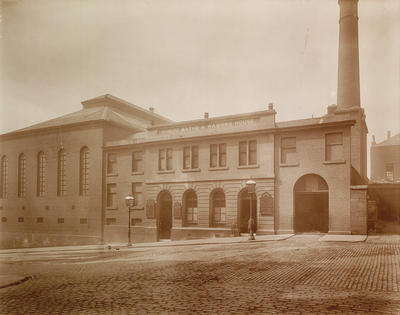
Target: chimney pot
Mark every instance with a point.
(151, 109)
(388, 134)
(373, 140)
(332, 109)
(206, 115)
(270, 106)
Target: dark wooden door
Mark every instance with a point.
(165, 219)
(245, 214)
(311, 212)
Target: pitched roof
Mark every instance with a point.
(106, 108)
(87, 115)
(395, 140)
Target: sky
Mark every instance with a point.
(187, 57)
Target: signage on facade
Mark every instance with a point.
(266, 205)
(205, 126)
(150, 209)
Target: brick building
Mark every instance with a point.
(64, 181)
(385, 160)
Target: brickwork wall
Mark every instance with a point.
(310, 154)
(358, 205)
(231, 179)
(72, 207)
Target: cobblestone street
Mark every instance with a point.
(300, 275)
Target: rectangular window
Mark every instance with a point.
(389, 171)
(242, 153)
(137, 193)
(169, 159)
(111, 163)
(111, 221)
(3, 219)
(39, 220)
(195, 157)
(60, 220)
(247, 153)
(213, 155)
(20, 219)
(218, 155)
(190, 157)
(112, 195)
(222, 154)
(334, 146)
(161, 160)
(186, 157)
(137, 161)
(165, 159)
(288, 150)
(83, 221)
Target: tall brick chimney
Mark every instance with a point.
(348, 91)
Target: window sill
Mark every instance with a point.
(223, 168)
(137, 173)
(189, 224)
(248, 166)
(137, 208)
(111, 208)
(166, 172)
(334, 162)
(190, 170)
(289, 164)
(111, 174)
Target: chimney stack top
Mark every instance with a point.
(270, 106)
(151, 109)
(388, 134)
(206, 115)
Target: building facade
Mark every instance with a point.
(385, 160)
(65, 180)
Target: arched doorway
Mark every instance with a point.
(244, 211)
(311, 204)
(164, 215)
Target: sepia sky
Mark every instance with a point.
(187, 57)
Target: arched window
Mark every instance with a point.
(190, 201)
(41, 161)
(21, 175)
(218, 208)
(84, 172)
(4, 177)
(61, 165)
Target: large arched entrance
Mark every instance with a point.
(164, 215)
(311, 204)
(244, 211)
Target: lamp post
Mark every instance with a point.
(129, 202)
(251, 189)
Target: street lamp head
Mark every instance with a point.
(129, 201)
(251, 186)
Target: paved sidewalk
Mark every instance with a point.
(203, 241)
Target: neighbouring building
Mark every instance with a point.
(385, 160)
(385, 182)
(65, 180)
